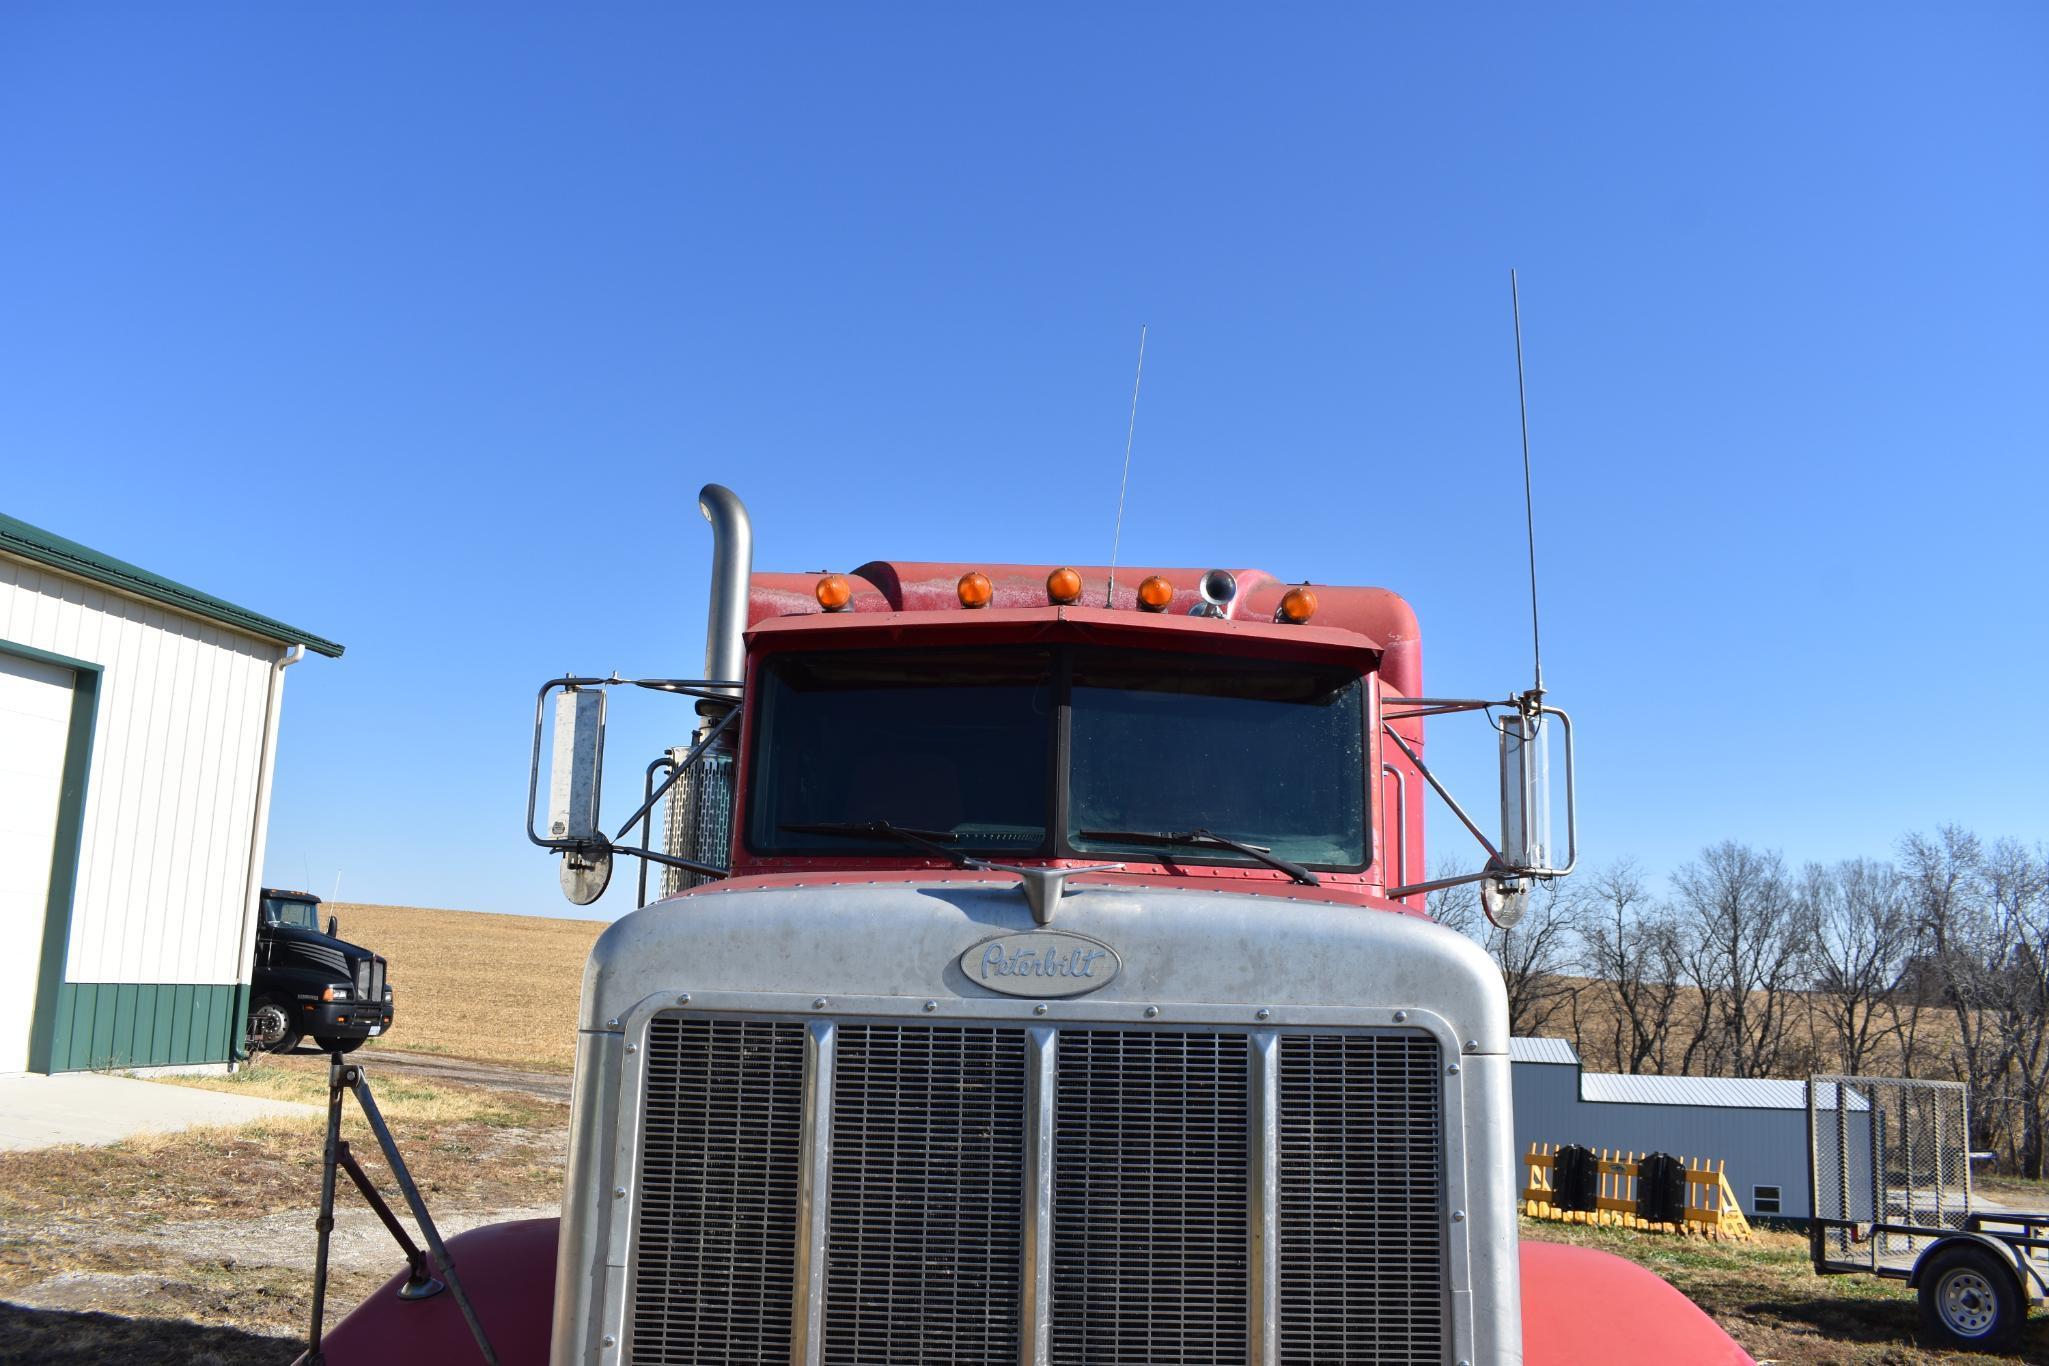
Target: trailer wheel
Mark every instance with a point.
(270, 1027)
(1970, 1300)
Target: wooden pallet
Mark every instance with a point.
(1711, 1208)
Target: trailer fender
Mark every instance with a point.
(1584, 1307)
(2008, 1258)
(508, 1271)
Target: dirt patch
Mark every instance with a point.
(215, 1227)
(551, 1086)
(57, 1337)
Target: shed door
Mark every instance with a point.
(35, 716)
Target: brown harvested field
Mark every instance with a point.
(468, 984)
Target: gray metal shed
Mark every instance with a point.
(1756, 1128)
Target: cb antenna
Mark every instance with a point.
(1117, 535)
(1522, 397)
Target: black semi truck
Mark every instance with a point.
(310, 983)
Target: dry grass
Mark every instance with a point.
(464, 1144)
(401, 1099)
(1766, 1295)
(498, 988)
(197, 1246)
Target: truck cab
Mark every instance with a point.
(311, 983)
(1044, 979)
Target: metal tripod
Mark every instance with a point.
(345, 1078)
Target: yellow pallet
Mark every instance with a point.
(1711, 1208)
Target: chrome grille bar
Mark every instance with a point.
(1265, 1210)
(1036, 1350)
(814, 1182)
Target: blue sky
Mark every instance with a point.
(421, 330)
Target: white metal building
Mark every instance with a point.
(1758, 1128)
(138, 725)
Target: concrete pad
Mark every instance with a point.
(94, 1109)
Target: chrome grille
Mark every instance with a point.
(1166, 1152)
(1361, 1200)
(1151, 1198)
(925, 1240)
(370, 979)
(715, 1244)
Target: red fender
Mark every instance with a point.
(1584, 1307)
(508, 1271)
(1581, 1307)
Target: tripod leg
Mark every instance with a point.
(325, 1223)
(420, 1216)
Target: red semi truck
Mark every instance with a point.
(1045, 982)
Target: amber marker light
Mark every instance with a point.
(833, 592)
(974, 589)
(1297, 605)
(1063, 586)
(1155, 593)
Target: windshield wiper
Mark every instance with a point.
(1206, 839)
(928, 840)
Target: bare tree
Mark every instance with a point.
(1863, 938)
(2016, 885)
(1535, 955)
(1945, 895)
(1748, 945)
(1630, 949)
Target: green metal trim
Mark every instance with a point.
(33, 543)
(109, 1025)
(85, 694)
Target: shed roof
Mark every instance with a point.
(1726, 1093)
(1729, 1093)
(33, 543)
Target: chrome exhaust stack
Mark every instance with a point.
(732, 569)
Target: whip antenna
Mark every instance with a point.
(1522, 398)
(1117, 535)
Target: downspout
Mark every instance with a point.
(259, 833)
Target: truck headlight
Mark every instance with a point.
(335, 994)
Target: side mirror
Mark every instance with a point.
(1526, 834)
(578, 768)
(332, 926)
(1525, 791)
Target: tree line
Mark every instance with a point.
(1932, 963)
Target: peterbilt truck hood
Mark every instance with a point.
(1107, 946)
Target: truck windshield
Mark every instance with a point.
(1267, 754)
(299, 915)
(968, 747)
(956, 743)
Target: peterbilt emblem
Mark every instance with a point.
(1047, 963)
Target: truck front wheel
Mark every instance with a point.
(1970, 1301)
(270, 1027)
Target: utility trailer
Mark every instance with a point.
(1889, 1163)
